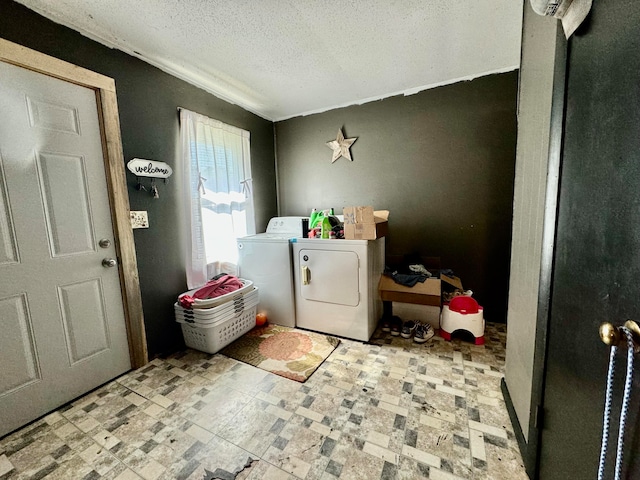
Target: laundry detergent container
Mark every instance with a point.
(463, 313)
(213, 328)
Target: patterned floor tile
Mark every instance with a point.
(388, 409)
(254, 428)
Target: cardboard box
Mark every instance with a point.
(450, 284)
(363, 223)
(428, 292)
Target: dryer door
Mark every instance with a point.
(329, 276)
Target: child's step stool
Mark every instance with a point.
(462, 313)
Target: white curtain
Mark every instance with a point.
(219, 205)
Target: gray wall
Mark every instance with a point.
(148, 100)
(534, 117)
(441, 161)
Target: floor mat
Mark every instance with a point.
(284, 351)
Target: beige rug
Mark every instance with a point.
(284, 351)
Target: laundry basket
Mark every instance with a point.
(247, 286)
(211, 329)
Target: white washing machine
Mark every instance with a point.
(265, 259)
(336, 285)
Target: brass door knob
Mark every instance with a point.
(613, 336)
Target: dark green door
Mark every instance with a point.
(596, 273)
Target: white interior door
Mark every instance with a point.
(61, 311)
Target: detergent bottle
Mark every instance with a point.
(326, 225)
(313, 219)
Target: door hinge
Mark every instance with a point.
(538, 421)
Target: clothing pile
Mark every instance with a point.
(219, 285)
(409, 277)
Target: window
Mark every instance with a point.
(219, 203)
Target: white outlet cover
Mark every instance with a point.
(139, 219)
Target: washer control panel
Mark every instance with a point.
(286, 225)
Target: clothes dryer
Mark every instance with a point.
(265, 259)
(336, 285)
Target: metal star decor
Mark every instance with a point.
(340, 147)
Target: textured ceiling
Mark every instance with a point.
(284, 58)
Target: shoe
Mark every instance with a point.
(419, 269)
(408, 328)
(386, 324)
(423, 333)
(396, 326)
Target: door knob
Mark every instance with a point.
(109, 262)
(612, 335)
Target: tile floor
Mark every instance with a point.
(389, 409)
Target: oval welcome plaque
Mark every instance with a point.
(149, 168)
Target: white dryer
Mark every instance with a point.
(336, 285)
(265, 259)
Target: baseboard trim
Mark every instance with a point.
(517, 430)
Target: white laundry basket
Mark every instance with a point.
(247, 286)
(211, 329)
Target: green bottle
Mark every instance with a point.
(313, 218)
(326, 226)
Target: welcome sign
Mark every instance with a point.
(149, 168)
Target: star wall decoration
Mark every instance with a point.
(340, 147)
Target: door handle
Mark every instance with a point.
(612, 335)
(109, 262)
(306, 275)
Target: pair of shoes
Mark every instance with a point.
(408, 328)
(423, 333)
(396, 326)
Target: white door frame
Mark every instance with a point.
(105, 90)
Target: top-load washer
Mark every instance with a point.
(336, 285)
(265, 259)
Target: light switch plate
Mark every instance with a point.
(139, 219)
